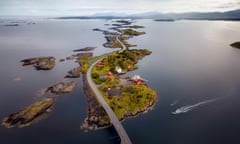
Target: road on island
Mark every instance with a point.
(113, 118)
(122, 44)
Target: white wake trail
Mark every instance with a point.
(187, 108)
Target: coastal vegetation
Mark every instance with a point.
(128, 99)
(74, 73)
(236, 45)
(97, 117)
(61, 87)
(132, 32)
(84, 49)
(126, 96)
(28, 115)
(83, 62)
(127, 60)
(116, 44)
(37, 110)
(132, 100)
(40, 63)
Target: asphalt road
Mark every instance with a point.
(123, 45)
(113, 118)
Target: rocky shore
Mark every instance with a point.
(40, 63)
(61, 87)
(74, 73)
(84, 49)
(130, 99)
(122, 27)
(28, 115)
(97, 116)
(126, 100)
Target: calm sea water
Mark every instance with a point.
(191, 63)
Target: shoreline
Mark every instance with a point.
(93, 121)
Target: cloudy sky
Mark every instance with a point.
(89, 7)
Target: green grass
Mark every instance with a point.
(124, 37)
(136, 26)
(84, 65)
(123, 60)
(132, 32)
(115, 44)
(133, 99)
(36, 107)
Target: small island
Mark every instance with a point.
(61, 87)
(28, 115)
(129, 100)
(236, 45)
(40, 63)
(84, 49)
(124, 61)
(39, 109)
(126, 96)
(136, 26)
(132, 32)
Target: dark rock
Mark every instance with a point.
(96, 113)
(79, 55)
(70, 58)
(62, 87)
(61, 60)
(124, 22)
(74, 73)
(29, 114)
(84, 49)
(40, 63)
(235, 45)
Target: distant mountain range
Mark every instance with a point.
(229, 15)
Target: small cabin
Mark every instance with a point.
(118, 69)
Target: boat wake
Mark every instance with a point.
(174, 103)
(187, 108)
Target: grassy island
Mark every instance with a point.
(125, 99)
(236, 45)
(83, 62)
(132, 32)
(132, 100)
(126, 60)
(116, 44)
(127, 96)
(40, 63)
(28, 115)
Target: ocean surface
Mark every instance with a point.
(192, 67)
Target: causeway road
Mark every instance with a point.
(113, 118)
(122, 44)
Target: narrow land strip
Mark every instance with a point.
(113, 118)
